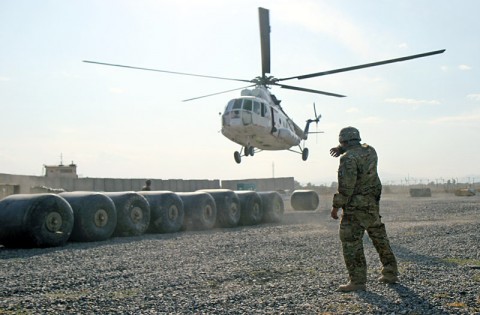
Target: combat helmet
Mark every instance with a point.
(349, 133)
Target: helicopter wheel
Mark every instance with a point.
(247, 150)
(305, 154)
(237, 157)
(251, 150)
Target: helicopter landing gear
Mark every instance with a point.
(247, 151)
(304, 154)
(237, 157)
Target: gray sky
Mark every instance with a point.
(422, 116)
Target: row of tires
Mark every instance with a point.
(46, 220)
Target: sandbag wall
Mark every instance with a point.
(47, 220)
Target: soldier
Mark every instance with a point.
(359, 190)
(148, 185)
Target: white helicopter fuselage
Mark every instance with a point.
(255, 120)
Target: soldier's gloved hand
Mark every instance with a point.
(334, 213)
(336, 151)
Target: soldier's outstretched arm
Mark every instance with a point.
(337, 151)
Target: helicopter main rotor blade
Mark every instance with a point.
(196, 98)
(373, 64)
(264, 39)
(307, 90)
(165, 71)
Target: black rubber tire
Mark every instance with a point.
(273, 206)
(251, 151)
(166, 211)
(304, 200)
(200, 210)
(305, 154)
(95, 216)
(251, 207)
(237, 157)
(133, 213)
(38, 220)
(228, 207)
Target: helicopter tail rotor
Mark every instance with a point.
(309, 121)
(317, 119)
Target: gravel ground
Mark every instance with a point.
(289, 268)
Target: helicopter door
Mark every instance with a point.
(273, 121)
(261, 117)
(247, 112)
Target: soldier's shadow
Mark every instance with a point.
(408, 300)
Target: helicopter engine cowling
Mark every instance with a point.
(288, 136)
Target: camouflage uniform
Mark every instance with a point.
(359, 190)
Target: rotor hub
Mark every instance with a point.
(264, 80)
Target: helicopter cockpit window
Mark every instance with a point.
(229, 105)
(237, 104)
(256, 108)
(247, 105)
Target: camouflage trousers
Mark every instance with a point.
(352, 228)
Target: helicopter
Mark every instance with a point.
(256, 120)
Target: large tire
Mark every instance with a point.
(228, 207)
(304, 200)
(273, 207)
(166, 211)
(39, 220)
(95, 216)
(251, 207)
(133, 213)
(200, 210)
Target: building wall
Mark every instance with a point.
(34, 184)
(68, 171)
(8, 189)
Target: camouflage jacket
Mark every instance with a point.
(358, 183)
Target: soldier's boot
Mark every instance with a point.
(351, 286)
(388, 278)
